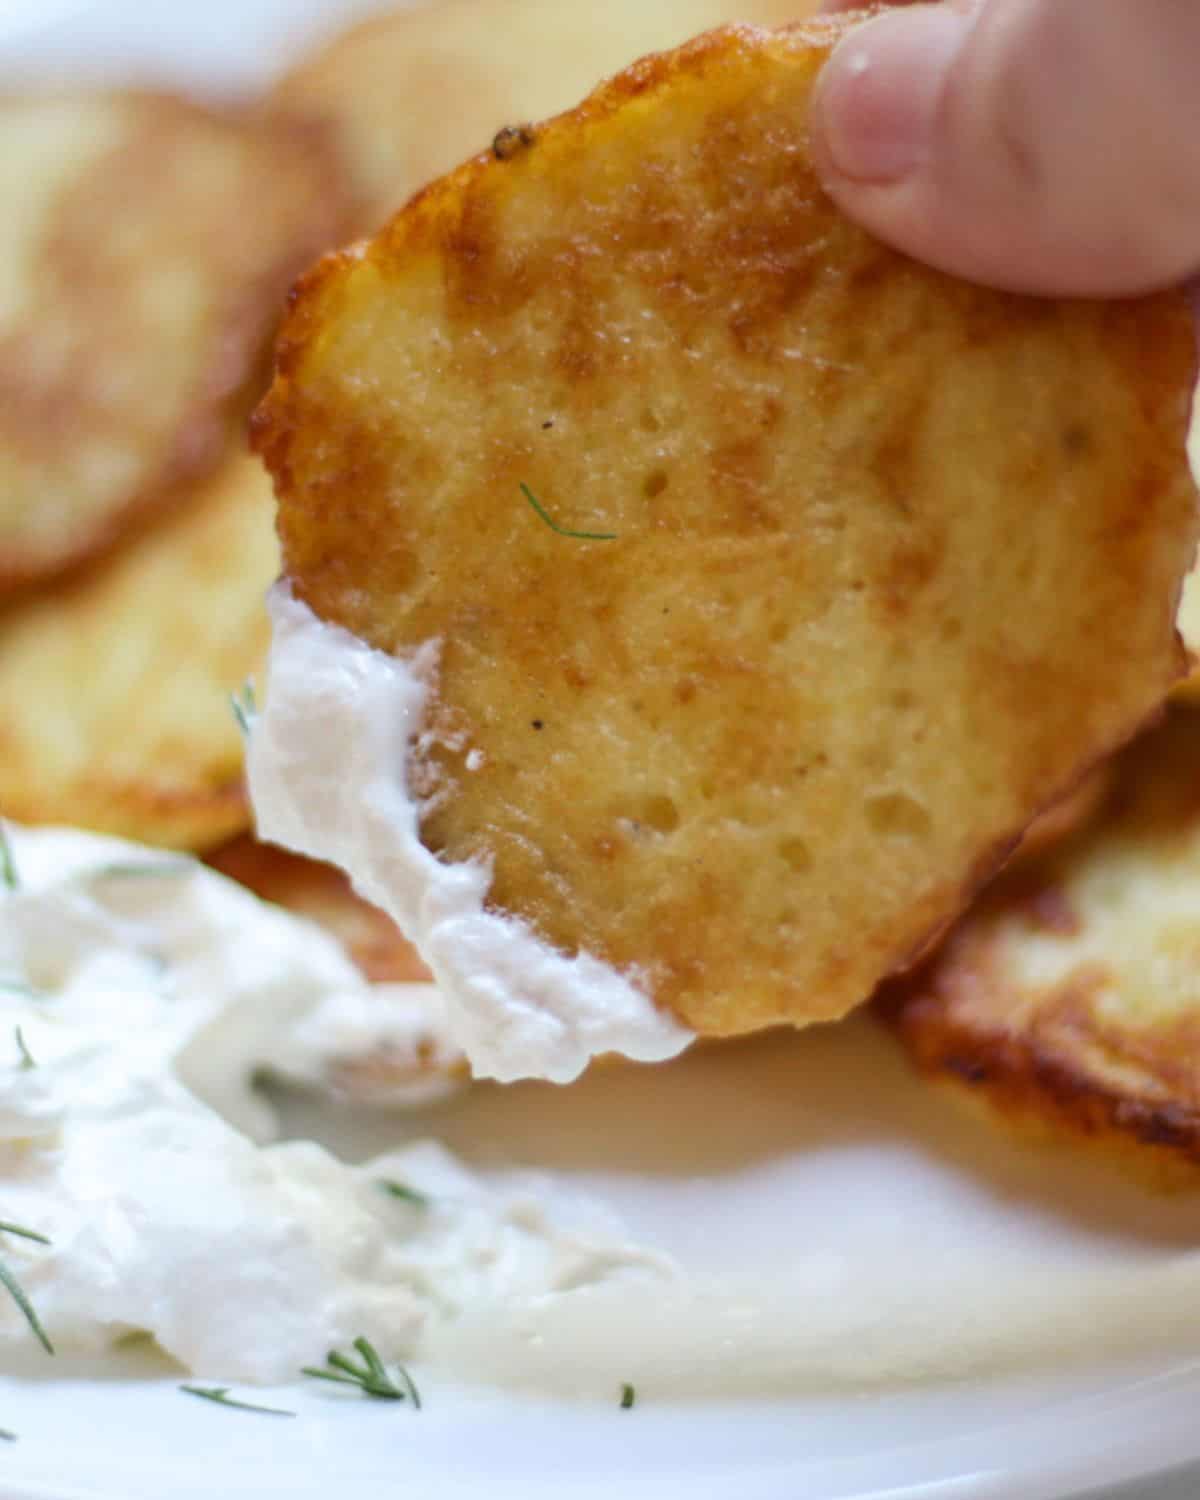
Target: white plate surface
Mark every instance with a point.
(772, 1168)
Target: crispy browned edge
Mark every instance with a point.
(224, 807)
(1024, 1077)
(1023, 1083)
(408, 226)
(414, 226)
(289, 91)
(1038, 1098)
(233, 383)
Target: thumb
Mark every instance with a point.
(1048, 146)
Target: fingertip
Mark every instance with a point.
(882, 129)
(839, 7)
(876, 106)
(946, 130)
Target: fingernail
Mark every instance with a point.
(878, 97)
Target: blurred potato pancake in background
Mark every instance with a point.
(145, 247)
(115, 685)
(1071, 994)
(410, 94)
(862, 566)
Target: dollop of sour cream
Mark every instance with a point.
(327, 767)
(140, 996)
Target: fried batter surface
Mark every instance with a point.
(886, 561)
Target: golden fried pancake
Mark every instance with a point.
(145, 247)
(1072, 993)
(779, 581)
(115, 684)
(410, 93)
(323, 894)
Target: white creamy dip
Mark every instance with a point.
(140, 993)
(327, 766)
(824, 1240)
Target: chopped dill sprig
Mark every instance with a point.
(219, 1394)
(628, 1396)
(9, 878)
(245, 707)
(19, 987)
(402, 1191)
(371, 1376)
(139, 869)
(27, 1058)
(582, 536)
(25, 1234)
(15, 1290)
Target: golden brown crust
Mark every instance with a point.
(323, 895)
(891, 560)
(147, 244)
(1071, 995)
(1030, 1083)
(115, 683)
(409, 94)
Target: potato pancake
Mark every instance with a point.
(145, 248)
(1071, 995)
(411, 93)
(115, 684)
(779, 581)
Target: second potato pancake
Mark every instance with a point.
(115, 684)
(146, 244)
(779, 581)
(1071, 995)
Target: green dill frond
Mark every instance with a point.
(245, 707)
(27, 1058)
(14, 1289)
(403, 1192)
(371, 1376)
(9, 878)
(582, 536)
(219, 1395)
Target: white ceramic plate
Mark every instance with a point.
(933, 1311)
(965, 1318)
